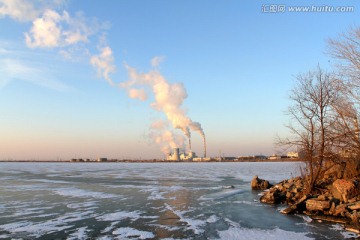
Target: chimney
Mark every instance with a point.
(204, 147)
(189, 144)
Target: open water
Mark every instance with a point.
(147, 201)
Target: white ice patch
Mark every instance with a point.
(4, 236)
(337, 227)
(131, 233)
(48, 181)
(345, 234)
(349, 235)
(252, 203)
(157, 192)
(79, 234)
(79, 193)
(110, 228)
(37, 229)
(307, 218)
(232, 223)
(212, 219)
(192, 224)
(258, 234)
(34, 229)
(105, 238)
(29, 211)
(118, 216)
(156, 195)
(86, 205)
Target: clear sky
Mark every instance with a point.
(66, 92)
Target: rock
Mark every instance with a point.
(317, 205)
(354, 206)
(289, 195)
(343, 189)
(321, 198)
(288, 185)
(329, 219)
(332, 208)
(340, 210)
(295, 206)
(274, 196)
(259, 184)
(352, 200)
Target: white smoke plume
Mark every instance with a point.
(137, 94)
(168, 97)
(161, 134)
(70, 34)
(155, 62)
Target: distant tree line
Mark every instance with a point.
(324, 114)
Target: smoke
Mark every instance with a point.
(168, 97)
(70, 35)
(161, 134)
(155, 62)
(137, 94)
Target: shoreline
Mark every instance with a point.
(337, 201)
(151, 161)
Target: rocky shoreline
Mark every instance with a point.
(333, 201)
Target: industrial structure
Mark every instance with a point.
(176, 156)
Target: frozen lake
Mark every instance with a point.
(147, 201)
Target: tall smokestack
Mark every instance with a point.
(189, 144)
(204, 147)
(176, 154)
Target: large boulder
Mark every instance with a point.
(260, 184)
(317, 205)
(343, 189)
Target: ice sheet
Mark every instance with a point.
(80, 193)
(258, 234)
(131, 233)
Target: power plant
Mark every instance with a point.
(190, 156)
(176, 156)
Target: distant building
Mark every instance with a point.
(174, 156)
(292, 155)
(187, 157)
(102, 159)
(202, 159)
(274, 157)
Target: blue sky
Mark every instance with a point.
(60, 95)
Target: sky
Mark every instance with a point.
(134, 78)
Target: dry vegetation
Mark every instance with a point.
(325, 115)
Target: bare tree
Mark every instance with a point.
(312, 119)
(346, 48)
(346, 136)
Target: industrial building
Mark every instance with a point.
(176, 156)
